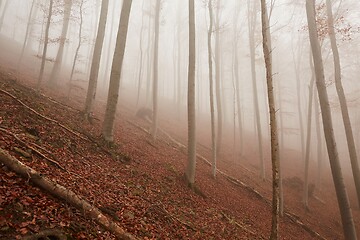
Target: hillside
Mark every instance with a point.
(138, 183)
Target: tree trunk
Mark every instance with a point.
(77, 48)
(61, 192)
(155, 72)
(29, 23)
(218, 80)
(343, 201)
(58, 61)
(116, 69)
(3, 13)
(190, 171)
(252, 28)
(343, 104)
(319, 140)
(273, 124)
(95, 64)
(140, 75)
(211, 89)
(308, 139)
(46, 40)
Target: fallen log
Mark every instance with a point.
(63, 193)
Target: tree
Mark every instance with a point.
(273, 124)
(211, 89)
(3, 13)
(190, 171)
(59, 56)
(95, 65)
(343, 201)
(155, 72)
(78, 46)
(252, 29)
(46, 40)
(26, 33)
(116, 69)
(343, 103)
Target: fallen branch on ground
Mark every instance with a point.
(240, 225)
(32, 148)
(63, 193)
(44, 117)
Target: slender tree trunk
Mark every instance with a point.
(77, 48)
(3, 13)
(58, 61)
(343, 201)
(141, 57)
(319, 140)
(155, 73)
(308, 138)
(116, 69)
(46, 40)
(218, 80)
(190, 171)
(273, 124)
(149, 51)
(95, 65)
(29, 23)
(252, 28)
(343, 104)
(211, 89)
(237, 80)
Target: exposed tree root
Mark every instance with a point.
(63, 193)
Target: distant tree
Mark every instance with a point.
(29, 23)
(191, 165)
(308, 138)
(218, 79)
(252, 28)
(46, 41)
(211, 90)
(343, 103)
(4, 10)
(81, 20)
(343, 201)
(95, 65)
(141, 61)
(155, 72)
(116, 69)
(59, 56)
(273, 124)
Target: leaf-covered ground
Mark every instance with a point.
(139, 183)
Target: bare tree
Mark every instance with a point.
(191, 166)
(343, 201)
(211, 89)
(273, 124)
(252, 29)
(116, 69)
(343, 104)
(29, 23)
(46, 40)
(155, 72)
(59, 56)
(95, 65)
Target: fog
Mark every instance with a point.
(290, 46)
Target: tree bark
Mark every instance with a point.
(190, 171)
(273, 124)
(95, 64)
(116, 69)
(211, 89)
(59, 57)
(46, 40)
(343, 104)
(61, 192)
(252, 28)
(155, 73)
(343, 201)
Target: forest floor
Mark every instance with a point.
(138, 183)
